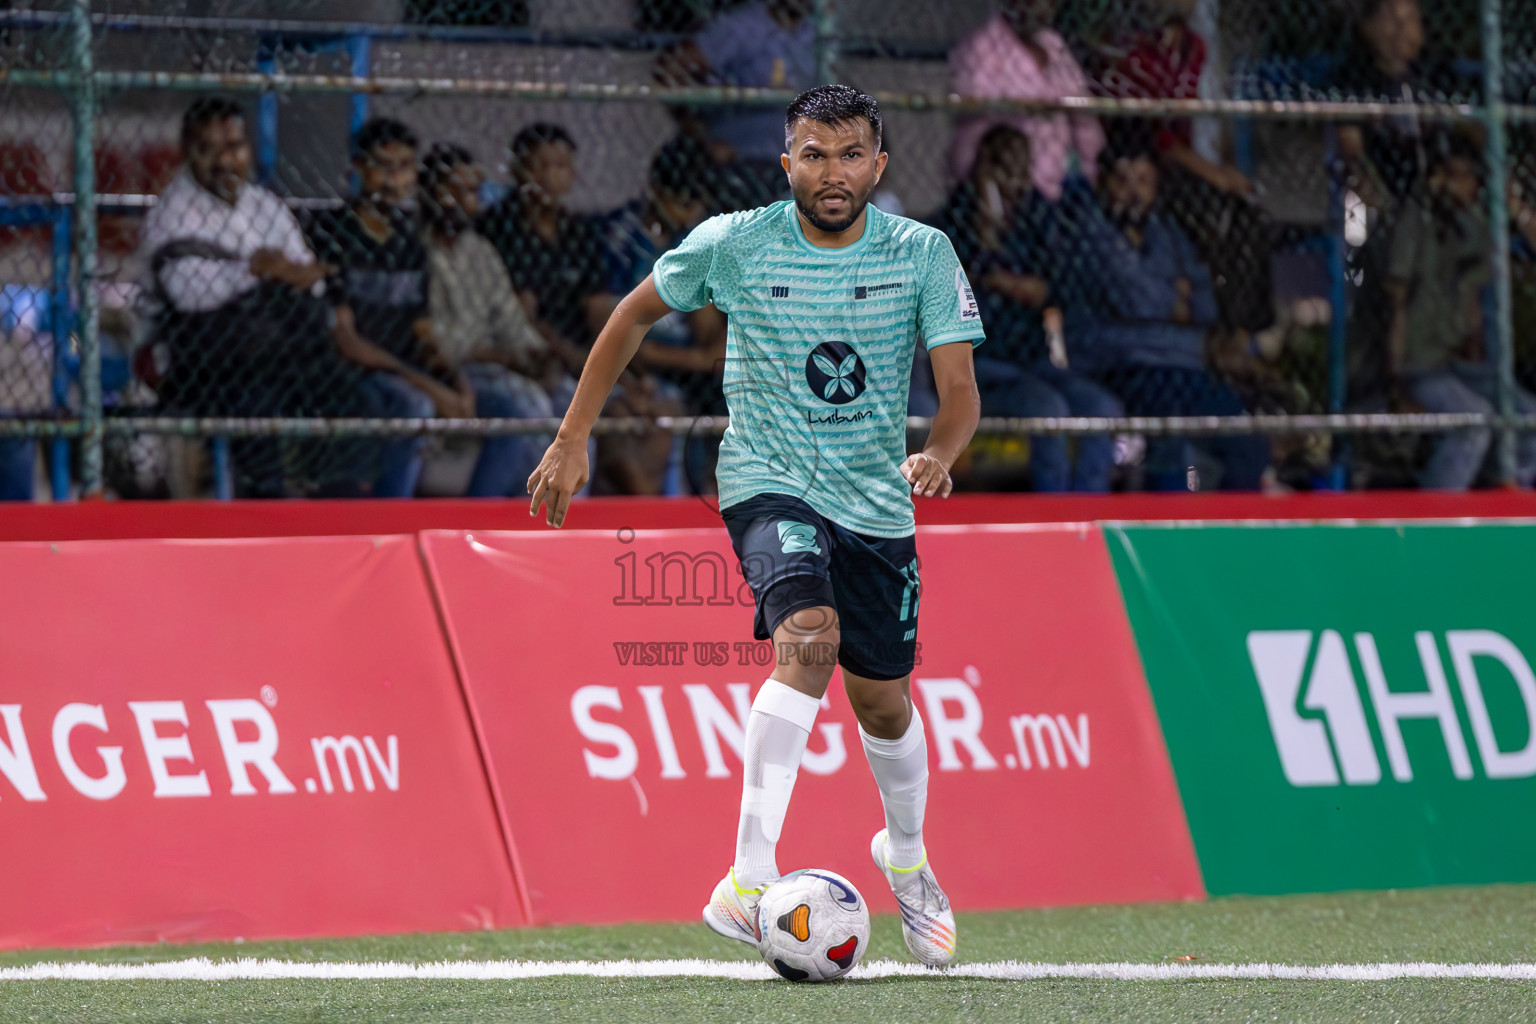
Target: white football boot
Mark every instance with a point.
(732, 910)
(927, 923)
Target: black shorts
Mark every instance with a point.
(794, 558)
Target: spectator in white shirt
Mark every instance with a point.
(236, 301)
(210, 201)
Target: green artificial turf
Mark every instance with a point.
(1485, 925)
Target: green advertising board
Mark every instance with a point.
(1345, 706)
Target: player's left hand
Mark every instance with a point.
(927, 476)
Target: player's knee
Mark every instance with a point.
(806, 644)
(882, 710)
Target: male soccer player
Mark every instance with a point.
(826, 298)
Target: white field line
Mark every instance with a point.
(203, 969)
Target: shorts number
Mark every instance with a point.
(910, 592)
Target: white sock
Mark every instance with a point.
(901, 772)
(777, 731)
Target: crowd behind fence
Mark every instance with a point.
(360, 247)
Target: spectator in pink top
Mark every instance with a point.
(1017, 55)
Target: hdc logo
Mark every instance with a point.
(1280, 661)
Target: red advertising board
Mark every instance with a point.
(610, 675)
(210, 739)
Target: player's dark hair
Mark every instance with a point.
(835, 106)
(381, 131)
(205, 111)
(540, 133)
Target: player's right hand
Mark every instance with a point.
(927, 476)
(561, 473)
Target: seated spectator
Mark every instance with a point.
(380, 295)
(479, 326)
(1384, 162)
(1139, 305)
(1017, 55)
(559, 266)
(554, 257)
(1386, 158)
(26, 373)
(684, 348)
(232, 306)
(767, 44)
(649, 463)
(1522, 230)
(1212, 201)
(1437, 270)
(1001, 228)
(684, 352)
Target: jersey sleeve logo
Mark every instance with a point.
(968, 309)
(835, 372)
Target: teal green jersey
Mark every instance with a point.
(819, 353)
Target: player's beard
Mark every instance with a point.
(856, 204)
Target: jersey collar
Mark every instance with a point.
(870, 215)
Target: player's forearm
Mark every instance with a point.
(615, 346)
(955, 423)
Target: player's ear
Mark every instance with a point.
(880, 161)
(784, 161)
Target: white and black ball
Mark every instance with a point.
(814, 925)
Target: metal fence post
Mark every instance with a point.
(360, 50)
(61, 324)
(84, 109)
(826, 41)
(1338, 321)
(1498, 216)
(266, 117)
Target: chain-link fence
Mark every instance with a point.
(361, 246)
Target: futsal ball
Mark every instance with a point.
(814, 925)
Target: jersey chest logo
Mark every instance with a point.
(835, 372)
(876, 291)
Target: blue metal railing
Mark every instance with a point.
(59, 319)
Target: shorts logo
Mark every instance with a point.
(795, 536)
(835, 372)
(779, 291)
